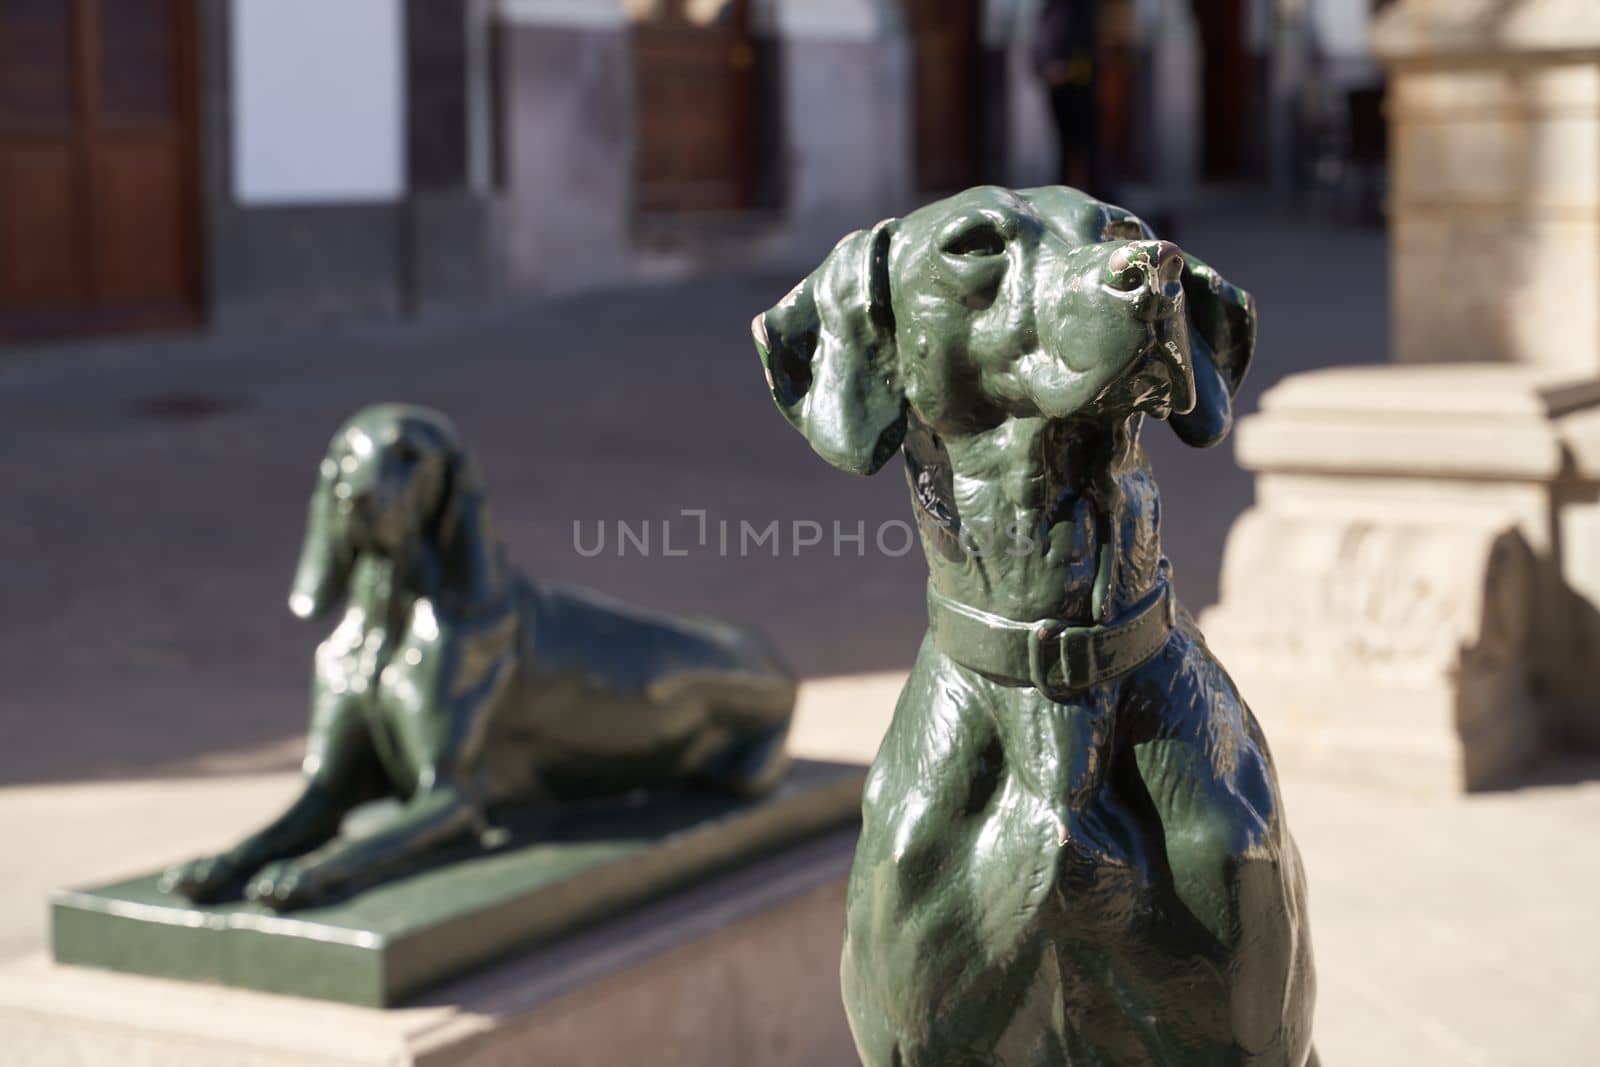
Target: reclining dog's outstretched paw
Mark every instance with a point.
(205, 880)
(284, 886)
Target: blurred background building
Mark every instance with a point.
(179, 163)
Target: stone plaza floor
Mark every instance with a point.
(154, 496)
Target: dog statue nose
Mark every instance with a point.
(1152, 268)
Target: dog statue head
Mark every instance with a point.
(996, 304)
(395, 483)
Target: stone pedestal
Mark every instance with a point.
(742, 970)
(1414, 596)
(1398, 606)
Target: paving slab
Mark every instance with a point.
(742, 969)
(1448, 931)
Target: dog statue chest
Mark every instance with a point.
(1019, 784)
(1021, 520)
(995, 846)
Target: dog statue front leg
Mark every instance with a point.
(342, 771)
(311, 819)
(1237, 877)
(438, 817)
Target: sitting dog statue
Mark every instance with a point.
(456, 685)
(1073, 847)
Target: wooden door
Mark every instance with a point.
(946, 68)
(98, 194)
(1225, 85)
(1117, 71)
(696, 109)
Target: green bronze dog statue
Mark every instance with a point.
(1073, 848)
(456, 685)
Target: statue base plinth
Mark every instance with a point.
(472, 907)
(742, 969)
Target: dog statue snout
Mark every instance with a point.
(1154, 270)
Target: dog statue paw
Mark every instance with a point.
(286, 884)
(1073, 847)
(204, 880)
(458, 686)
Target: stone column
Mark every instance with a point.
(567, 136)
(1495, 110)
(844, 107)
(1414, 596)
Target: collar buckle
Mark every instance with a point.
(1051, 641)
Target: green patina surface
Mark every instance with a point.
(555, 872)
(1073, 849)
(458, 686)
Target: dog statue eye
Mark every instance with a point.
(978, 240)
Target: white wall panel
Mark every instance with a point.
(318, 101)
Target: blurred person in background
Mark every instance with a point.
(1064, 58)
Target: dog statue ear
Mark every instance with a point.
(323, 572)
(1222, 338)
(829, 352)
(461, 502)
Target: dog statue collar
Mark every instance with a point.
(1047, 653)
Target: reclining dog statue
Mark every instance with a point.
(1073, 848)
(456, 685)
